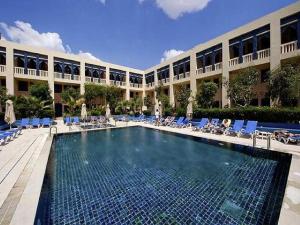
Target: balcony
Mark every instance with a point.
(2, 68)
(66, 76)
(30, 72)
(118, 83)
(248, 58)
(102, 81)
(134, 85)
(208, 69)
(181, 76)
(233, 62)
(149, 85)
(263, 54)
(88, 79)
(289, 47)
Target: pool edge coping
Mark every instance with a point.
(287, 216)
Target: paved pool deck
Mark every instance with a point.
(23, 163)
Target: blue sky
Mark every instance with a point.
(133, 33)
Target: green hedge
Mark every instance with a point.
(261, 114)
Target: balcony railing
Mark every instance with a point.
(102, 81)
(136, 85)
(262, 54)
(96, 80)
(208, 69)
(248, 58)
(19, 70)
(76, 77)
(218, 66)
(30, 72)
(199, 71)
(149, 85)
(289, 47)
(67, 76)
(233, 62)
(43, 73)
(2, 68)
(57, 75)
(117, 83)
(88, 79)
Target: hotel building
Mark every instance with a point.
(264, 44)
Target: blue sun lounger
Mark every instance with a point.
(201, 125)
(25, 122)
(76, 121)
(4, 137)
(250, 129)
(68, 121)
(46, 122)
(237, 127)
(178, 122)
(35, 123)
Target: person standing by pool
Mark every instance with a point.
(156, 117)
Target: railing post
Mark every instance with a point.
(254, 140)
(269, 142)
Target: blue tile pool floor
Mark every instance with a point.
(142, 176)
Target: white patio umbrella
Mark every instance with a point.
(9, 117)
(189, 109)
(83, 112)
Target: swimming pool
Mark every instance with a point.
(143, 176)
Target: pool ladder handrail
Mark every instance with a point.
(51, 130)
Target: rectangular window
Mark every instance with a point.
(264, 75)
(57, 88)
(3, 83)
(22, 86)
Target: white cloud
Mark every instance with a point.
(88, 55)
(102, 1)
(170, 54)
(176, 8)
(23, 33)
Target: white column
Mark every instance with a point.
(275, 34)
(51, 74)
(225, 73)
(10, 70)
(193, 68)
(82, 77)
(107, 76)
(127, 86)
(171, 89)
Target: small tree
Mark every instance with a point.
(113, 95)
(41, 91)
(207, 92)
(71, 97)
(148, 103)
(93, 91)
(240, 89)
(182, 95)
(3, 98)
(285, 85)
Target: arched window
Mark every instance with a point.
(31, 64)
(57, 68)
(87, 73)
(19, 61)
(43, 66)
(67, 69)
(118, 78)
(76, 70)
(95, 74)
(102, 74)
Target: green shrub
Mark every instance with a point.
(99, 111)
(168, 111)
(261, 114)
(147, 112)
(180, 112)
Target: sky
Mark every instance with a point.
(134, 33)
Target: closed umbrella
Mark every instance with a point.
(83, 112)
(9, 117)
(107, 113)
(189, 110)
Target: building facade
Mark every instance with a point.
(264, 44)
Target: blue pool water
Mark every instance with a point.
(142, 176)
